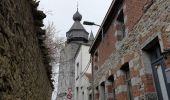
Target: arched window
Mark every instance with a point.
(125, 69)
(112, 87)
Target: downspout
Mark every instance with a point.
(93, 94)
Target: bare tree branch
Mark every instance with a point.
(54, 43)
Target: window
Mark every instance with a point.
(155, 61)
(97, 93)
(120, 26)
(77, 69)
(82, 95)
(95, 67)
(111, 80)
(125, 69)
(103, 92)
(96, 57)
(90, 97)
(77, 97)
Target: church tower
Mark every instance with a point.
(77, 33)
(76, 36)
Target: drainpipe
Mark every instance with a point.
(93, 94)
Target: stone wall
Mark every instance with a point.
(23, 71)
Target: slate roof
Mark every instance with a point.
(76, 26)
(77, 32)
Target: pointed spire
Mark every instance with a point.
(91, 38)
(77, 6)
(77, 16)
(77, 33)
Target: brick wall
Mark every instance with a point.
(133, 10)
(106, 47)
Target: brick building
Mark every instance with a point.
(130, 58)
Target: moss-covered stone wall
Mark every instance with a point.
(23, 71)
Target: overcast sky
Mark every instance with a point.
(61, 12)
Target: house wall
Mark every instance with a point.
(133, 10)
(85, 58)
(106, 47)
(143, 27)
(78, 61)
(82, 82)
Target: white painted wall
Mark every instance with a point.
(81, 80)
(85, 58)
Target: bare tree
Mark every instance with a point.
(54, 43)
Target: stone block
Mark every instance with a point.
(135, 81)
(120, 73)
(121, 89)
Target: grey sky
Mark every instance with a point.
(61, 12)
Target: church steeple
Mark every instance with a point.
(77, 16)
(91, 38)
(77, 31)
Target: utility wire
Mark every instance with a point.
(88, 65)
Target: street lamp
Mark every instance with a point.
(92, 23)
